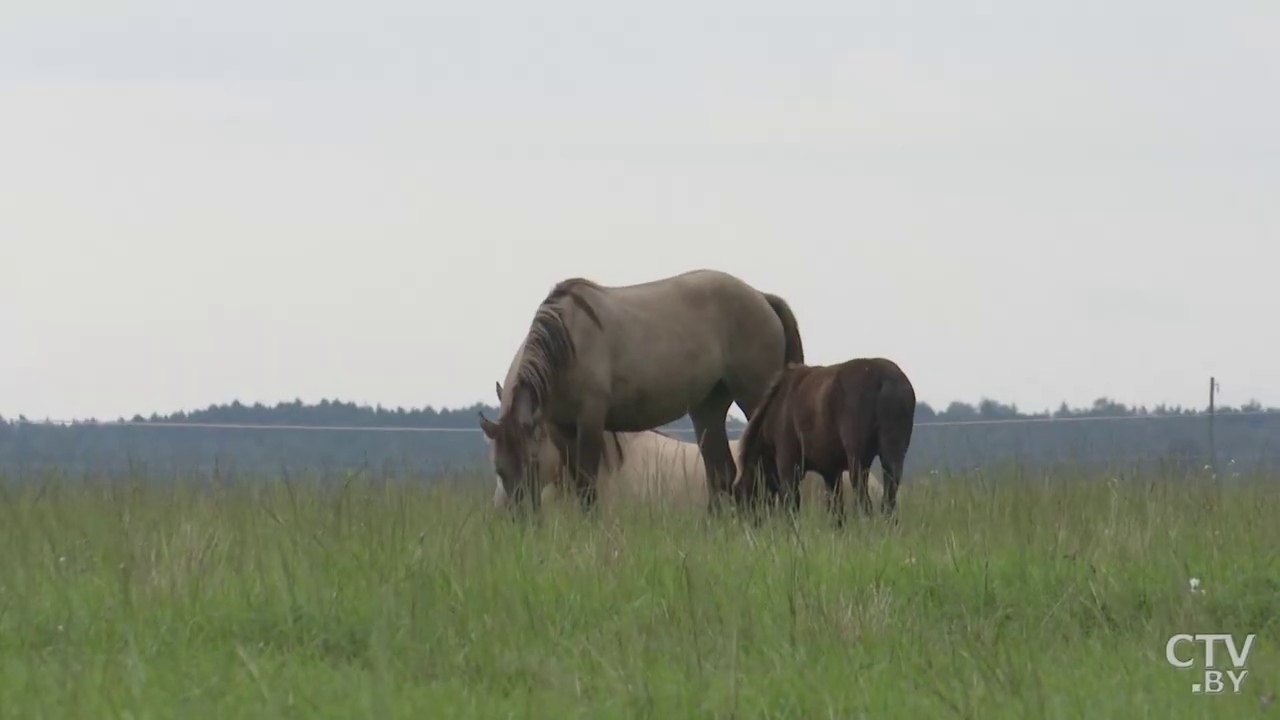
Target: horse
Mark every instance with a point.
(639, 463)
(631, 358)
(830, 419)
(646, 466)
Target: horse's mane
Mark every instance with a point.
(768, 403)
(549, 347)
(571, 289)
(604, 453)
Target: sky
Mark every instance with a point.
(1032, 202)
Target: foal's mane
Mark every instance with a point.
(768, 404)
(549, 347)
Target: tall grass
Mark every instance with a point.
(1009, 597)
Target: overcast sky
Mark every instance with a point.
(1030, 201)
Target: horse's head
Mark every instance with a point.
(522, 453)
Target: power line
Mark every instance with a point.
(243, 426)
(391, 428)
(1098, 418)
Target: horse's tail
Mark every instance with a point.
(790, 328)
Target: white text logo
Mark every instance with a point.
(1214, 681)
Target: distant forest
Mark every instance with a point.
(961, 437)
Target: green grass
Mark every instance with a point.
(1017, 598)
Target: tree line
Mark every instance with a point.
(961, 436)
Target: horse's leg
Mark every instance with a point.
(534, 491)
(583, 462)
(567, 477)
(835, 496)
(713, 442)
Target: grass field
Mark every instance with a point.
(993, 598)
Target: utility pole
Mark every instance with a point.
(1213, 454)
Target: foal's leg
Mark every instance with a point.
(775, 486)
(891, 464)
(859, 451)
(835, 496)
(859, 469)
(760, 479)
(790, 472)
(864, 488)
(760, 488)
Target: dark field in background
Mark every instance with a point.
(960, 438)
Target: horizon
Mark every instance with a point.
(1252, 405)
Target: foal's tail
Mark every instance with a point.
(790, 328)
(895, 412)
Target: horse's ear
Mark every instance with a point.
(497, 386)
(488, 427)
